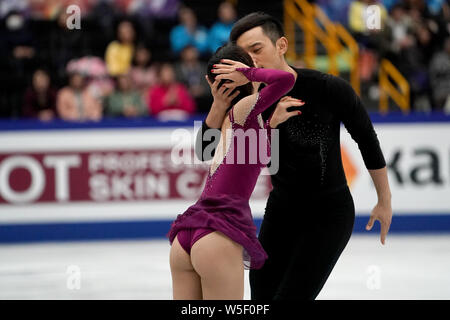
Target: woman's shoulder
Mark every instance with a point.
(248, 101)
(241, 109)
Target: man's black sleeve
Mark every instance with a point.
(204, 140)
(356, 120)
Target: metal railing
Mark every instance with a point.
(387, 89)
(337, 41)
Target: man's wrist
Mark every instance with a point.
(385, 199)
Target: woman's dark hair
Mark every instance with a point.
(272, 27)
(233, 52)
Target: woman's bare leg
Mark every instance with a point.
(218, 261)
(186, 282)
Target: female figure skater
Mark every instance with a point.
(214, 240)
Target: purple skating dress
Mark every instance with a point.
(224, 203)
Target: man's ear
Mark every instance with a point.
(282, 45)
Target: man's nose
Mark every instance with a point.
(255, 62)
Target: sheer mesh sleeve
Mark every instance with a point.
(278, 84)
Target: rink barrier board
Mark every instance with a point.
(32, 124)
(415, 222)
(134, 230)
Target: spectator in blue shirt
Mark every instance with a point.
(220, 31)
(188, 32)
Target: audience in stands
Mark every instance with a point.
(75, 103)
(409, 36)
(168, 81)
(220, 31)
(440, 77)
(366, 26)
(19, 50)
(188, 32)
(170, 99)
(119, 53)
(143, 71)
(191, 72)
(40, 98)
(64, 45)
(125, 101)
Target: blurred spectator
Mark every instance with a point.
(430, 32)
(416, 52)
(50, 9)
(388, 4)
(64, 45)
(6, 6)
(119, 53)
(188, 32)
(440, 77)
(143, 72)
(220, 31)
(20, 58)
(191, 72)
(358, 17)
(446, 14)
(40, 98)
(336, 10)
(418, 8)
(125, 101)
(170, 99)
(401, 29)
(435, 6)
(102, 22)
(98, 82)
(369, 40)
(149, 8)
(75, 103)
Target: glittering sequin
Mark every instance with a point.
(312, 134)
(241, 114)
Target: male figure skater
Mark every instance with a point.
(310, 212)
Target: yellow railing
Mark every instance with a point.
(337, 40)
(387, 89)
(305, 15)
(354, 56)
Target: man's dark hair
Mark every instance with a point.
(233, 52)
(272, 27)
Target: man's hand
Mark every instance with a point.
(281, 114)
(227, 70)
(382, 213)
(383, 210)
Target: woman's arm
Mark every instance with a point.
(278, 84)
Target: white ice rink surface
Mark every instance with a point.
(407, 267)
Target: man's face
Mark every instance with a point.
(259, 46)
